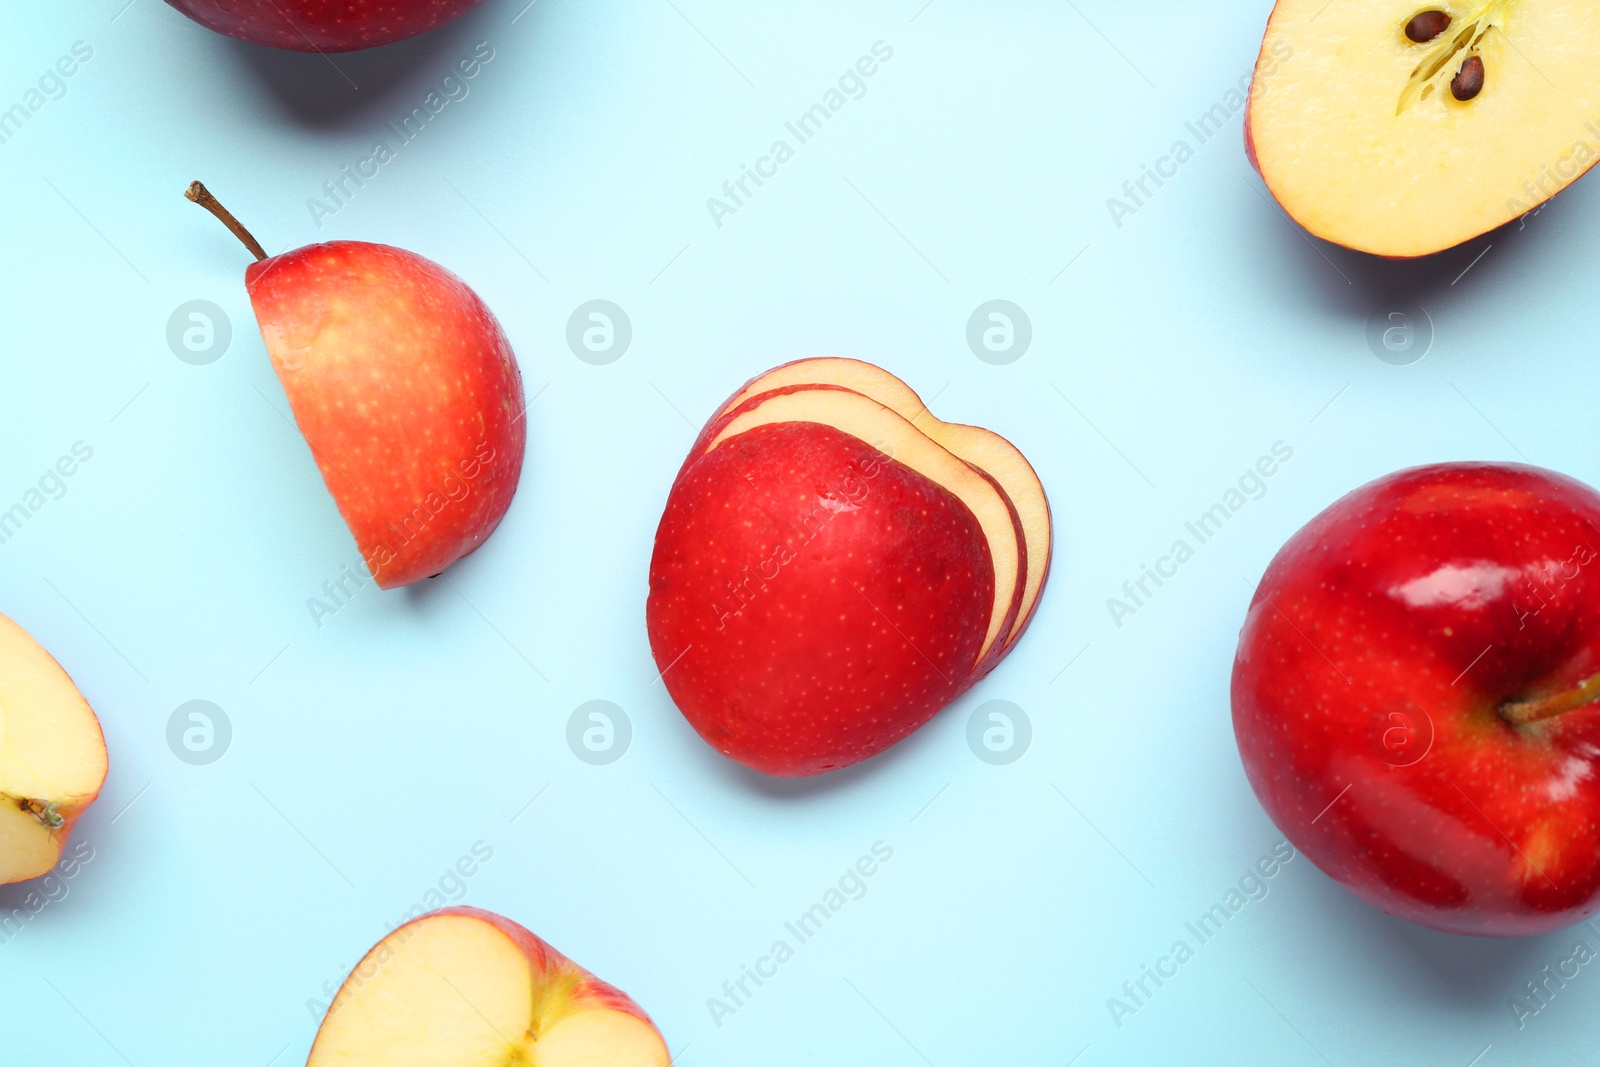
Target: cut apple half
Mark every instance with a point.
(894, 436)
(52, 756)
(1403, 128)
(983, 449)
(468, 988)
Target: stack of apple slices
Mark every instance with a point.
(467, 988)
(52, 756)
(835, 565)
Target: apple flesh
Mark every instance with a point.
(407, 391)
(467, 988)
(52, 756)
(323, 25)
(1415, 691)
(827, 577)
(1403, 129)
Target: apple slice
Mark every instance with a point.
(982, 448)
(871, 422)
(52, 756)
(1402, 129)
(467, 988)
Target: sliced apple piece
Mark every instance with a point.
(982, 448)
(1401, 129)
(52, 756)
(467, 988)
(871, 422)
(865, 378)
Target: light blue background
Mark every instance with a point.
(369, 754)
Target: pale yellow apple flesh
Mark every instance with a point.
(982, 448)
(891, 434)
(1356, 130)
(52, 756)
(465, 988)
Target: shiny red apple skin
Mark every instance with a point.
(323, 25)
(406, 388)
(1382, 641)
(870, 626)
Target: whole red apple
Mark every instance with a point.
(323, 25)
(404, 386)
(1414, 696)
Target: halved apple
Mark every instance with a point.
(828, 575)
(468, 988)
(983, 449)
(52, 756)
(1403, 128)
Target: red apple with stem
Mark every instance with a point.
(323, 25)
(1415, 693)
(404, 386)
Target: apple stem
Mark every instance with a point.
(1522, 712)
(202, 196)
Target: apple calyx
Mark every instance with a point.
(202, 196)
(44, 811)
(1523, 712)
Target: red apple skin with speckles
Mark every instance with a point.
(407, 391)
(323, 25)
(812, 601)
(1378, 653)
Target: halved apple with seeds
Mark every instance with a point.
(52, 756)
(464, 987)
(835, 565)
(1403, 128)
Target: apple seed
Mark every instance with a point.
(1427, 25)
(1468, 81)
